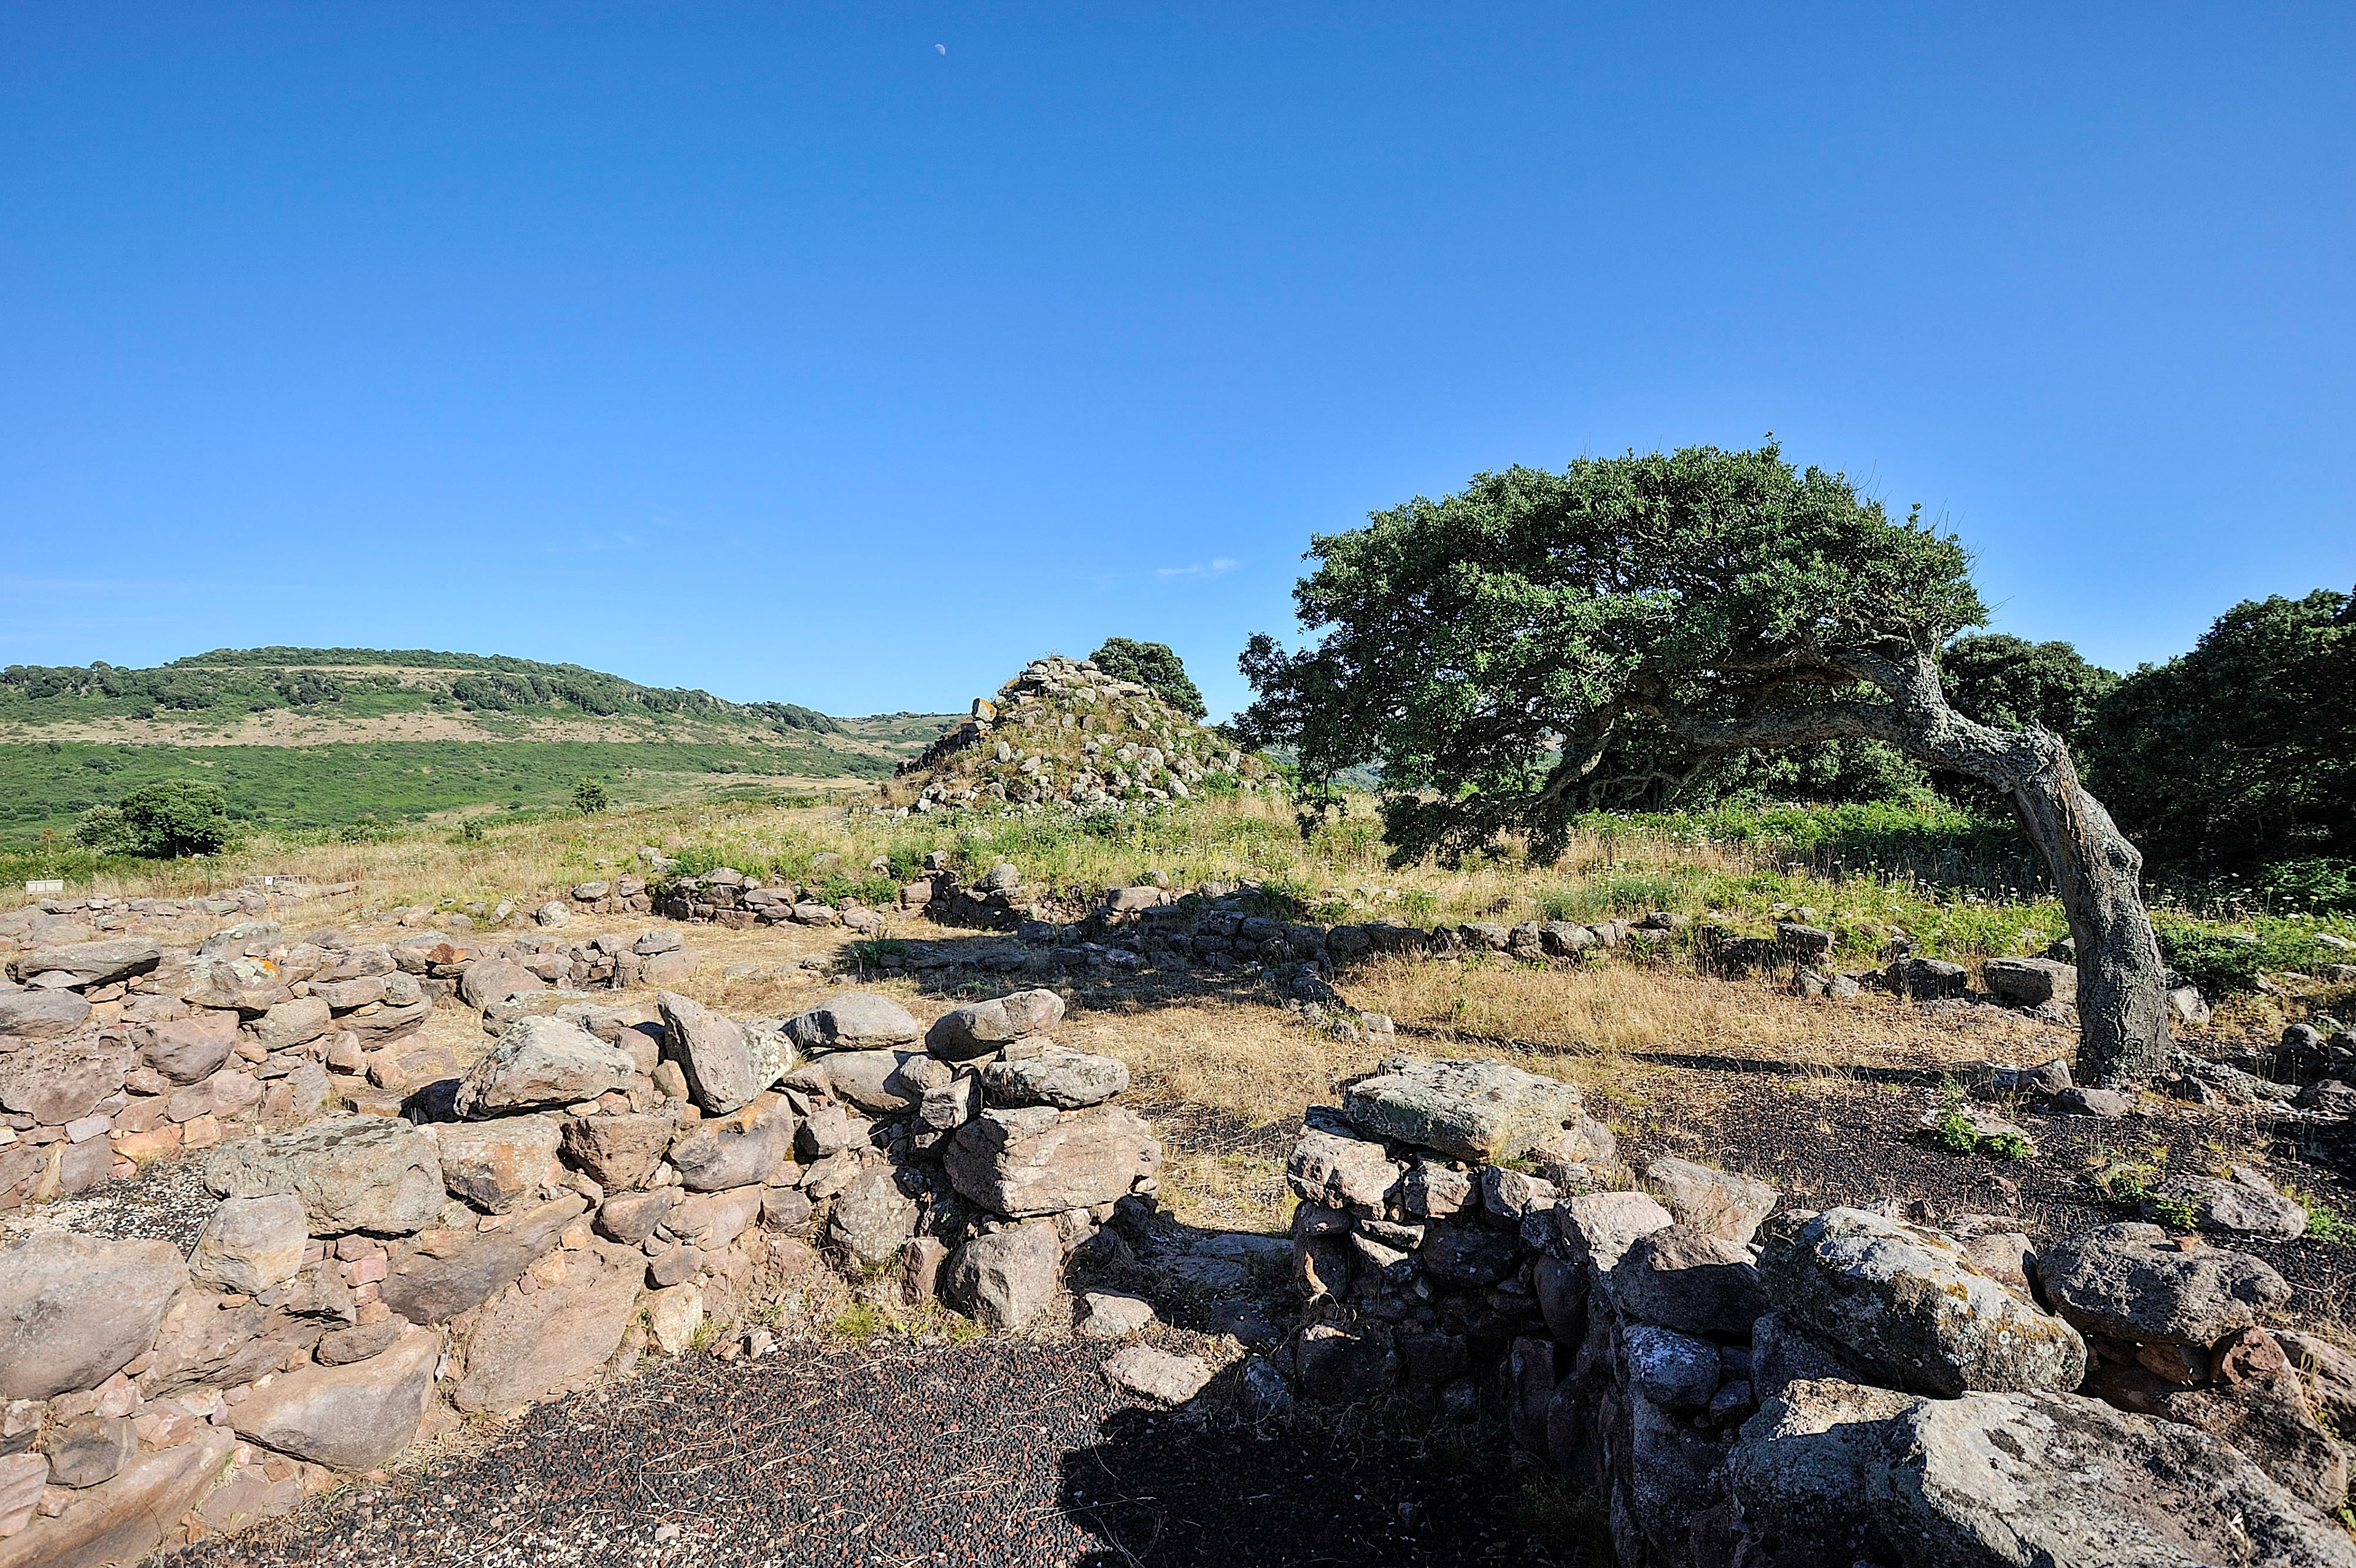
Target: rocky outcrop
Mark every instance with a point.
(351, 1173)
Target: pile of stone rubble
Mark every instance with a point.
(1774, 1388)
(1064, 733)
(595, 1186)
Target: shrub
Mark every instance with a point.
(165, 821)
(1153, 666)
(589, 797)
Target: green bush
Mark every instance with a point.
(590, 797)
(1153, 666)
(163, 821)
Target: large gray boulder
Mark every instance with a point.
(543, 1061)
(446, 1272)
(188, 1049)
(1003, 1279)
(75, 1309)
(555, 1338)
(2132, 1282)
(298, 1020)
(1037, 1160)
(88, 964)
(488, 980)
(496, 1165)
(983, 1028)
(1908, 1306)
(885, 1082)
(1834, 1472)
(723, 1068)
(855, 1020)
(1332, 1165)
(1057, 1075)
(353, 1417)
(1479, 1110)
(1684, 1280)
(1716, 1203)
(352, 1173)
(251, 1244)
(2030, 981)
(41, 1014)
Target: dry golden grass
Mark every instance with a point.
(1598, 1011)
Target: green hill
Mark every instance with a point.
(318, 737)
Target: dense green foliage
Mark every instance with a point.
(2238, 759)
(1487, 647)
(48, 785)
(2011, 683)
(229, 682)
(590, 797)
(164, 820)
(1154, 665)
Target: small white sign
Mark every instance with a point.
(46, 885)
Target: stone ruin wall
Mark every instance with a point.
(598, 1185)
(1773, 1388)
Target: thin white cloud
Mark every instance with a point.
(1218, 566)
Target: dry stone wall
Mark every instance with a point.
(1755, 1385)
(118, 1048)
(598, 1184)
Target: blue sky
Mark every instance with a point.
(853, 355)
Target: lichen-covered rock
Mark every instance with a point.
(352, 1173)
(1908, 1306)
(736, 1150)
(1676, 1371)
(496, 1165)
(60, 1081)
(75, 1309)
(982, 1029)
(1483, 1111)
(1833, 1472)
(885, 1082)
(543, 1061)
(714, 1051)
(1057, 1075)
(1038, 1160)
(871, 1219)
(2132, 1282)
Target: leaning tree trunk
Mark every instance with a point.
(2122, 983)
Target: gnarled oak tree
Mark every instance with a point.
(1486, 647)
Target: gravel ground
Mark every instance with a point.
(991, 1454)
(166, 1201)
(1827, 1139)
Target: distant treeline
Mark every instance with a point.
(230, 681)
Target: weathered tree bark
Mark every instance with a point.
(2122, 983)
